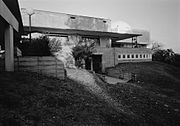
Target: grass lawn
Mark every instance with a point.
(28, 99)
(156, 76)
(152, 109)
(156, 95)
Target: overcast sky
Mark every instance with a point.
(160, 17)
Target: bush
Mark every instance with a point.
(83, 50)
(177, 60)
(164, 55)
(37, 47)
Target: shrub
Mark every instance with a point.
(37, 47)
(164, 55)
(83, 50)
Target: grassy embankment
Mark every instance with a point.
(153, 75)
(155, 95)
(32, 100)
(29, 99)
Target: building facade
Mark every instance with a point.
(111, 47)
(10, 31)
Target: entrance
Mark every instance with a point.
(88, 63)
(97, 63)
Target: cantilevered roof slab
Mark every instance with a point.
(87, 33)
(13, 7)
(6, 14)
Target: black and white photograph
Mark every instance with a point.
(89, 62)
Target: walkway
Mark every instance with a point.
(87, 79)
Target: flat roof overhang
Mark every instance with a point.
(86, 33)
(13, 6)
(130, 43)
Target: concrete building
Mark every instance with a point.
(107, 51)
(10, 30)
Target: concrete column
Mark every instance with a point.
(9, 48)
(103, 65)
(91, 64)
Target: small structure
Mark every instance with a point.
(109, 48)
(10, 29)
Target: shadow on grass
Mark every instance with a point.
(34, 100)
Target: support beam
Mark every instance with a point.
(8, 16)
(9, 48)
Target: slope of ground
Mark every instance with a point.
(153, 109)
(89, 81)
(154, 96)
(150, 98)
(155, 76)
(28, 99)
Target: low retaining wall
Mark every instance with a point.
(46, 65)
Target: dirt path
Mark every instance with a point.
(87, 79)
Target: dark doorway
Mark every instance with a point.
(97, 63)
(88, 63)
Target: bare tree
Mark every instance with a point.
(156, 45)
(55, 45)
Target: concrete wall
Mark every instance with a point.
(107, 57)
(110, 56)
(105, 42)
(145, 38)
(46, 65)
(65, 21)
(139, 55)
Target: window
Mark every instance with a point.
(144, 56)
(124, 56)
(136, 55)
(72, 17)
(128, 56)
(140, 56)
(104, 21)
(119, 56)
(132, 55)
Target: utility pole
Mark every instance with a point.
(30, 12)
